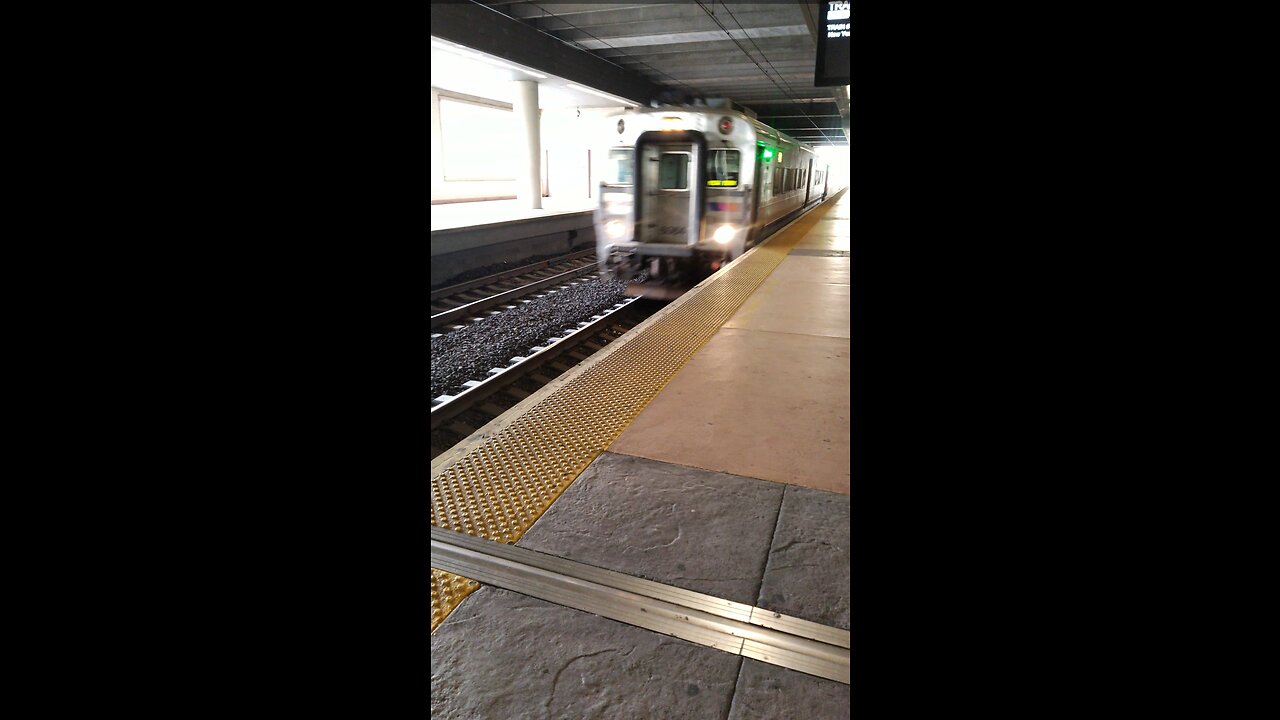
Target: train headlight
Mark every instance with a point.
(614, 229)
(724, 234)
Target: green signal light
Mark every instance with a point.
(768, 154)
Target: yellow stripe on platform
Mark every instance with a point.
(499, 485)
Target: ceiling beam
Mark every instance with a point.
(663, 18)
(482, 29)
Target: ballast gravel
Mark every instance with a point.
(469, 352)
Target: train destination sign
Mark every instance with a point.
(833, 44)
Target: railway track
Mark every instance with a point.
(454, 304)
(457, 416)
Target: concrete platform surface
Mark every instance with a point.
(780, 547)
(769, 692)
(767, 405)
(453, 215)
(807, 574)
(698, 530)
(829, 233)
(502, 655)
(803, 296)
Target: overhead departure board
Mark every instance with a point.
(834, 23)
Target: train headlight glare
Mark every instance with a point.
(614, 229)
(723, 234)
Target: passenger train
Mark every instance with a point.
(686, 190)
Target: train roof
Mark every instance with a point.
(760, 127)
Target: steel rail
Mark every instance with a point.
(444, 318)
(552, 348)
(499, 277)
(696, 617)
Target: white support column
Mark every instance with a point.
(528, 144)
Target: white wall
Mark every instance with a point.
(566, 136)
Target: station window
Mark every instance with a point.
(466, 154)
(621, 164)
(673, 171)
(722, 168)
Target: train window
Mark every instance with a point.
(722, 168)
(621, 164)
(777, 181)
(673, 171)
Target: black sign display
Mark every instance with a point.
(834, 23)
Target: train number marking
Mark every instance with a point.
(673, 230)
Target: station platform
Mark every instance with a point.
(452, 215)
(663, 532)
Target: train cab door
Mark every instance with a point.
(669, 189)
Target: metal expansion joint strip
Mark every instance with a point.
(698, 618)
(497, 486)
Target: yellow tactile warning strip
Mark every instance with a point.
(500, 485)
(447, 590)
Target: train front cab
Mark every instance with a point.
(670, 246)
(670, 194)
(669, 191)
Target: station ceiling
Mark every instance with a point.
(760, 55)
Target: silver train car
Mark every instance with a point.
(685, 190)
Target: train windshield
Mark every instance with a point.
(722, 168)
(621, 163)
